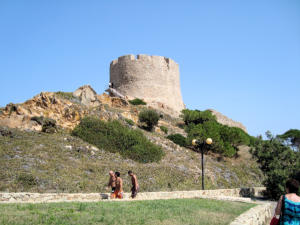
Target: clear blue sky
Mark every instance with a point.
(241, 58)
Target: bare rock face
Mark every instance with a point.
(222, 119)
(46, 104)
(113, 101)
(87, 96)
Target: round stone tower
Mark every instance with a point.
(155, 79)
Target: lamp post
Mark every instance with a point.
(201, 146)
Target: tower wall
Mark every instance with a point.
(152, 78)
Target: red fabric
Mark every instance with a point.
(274, 221)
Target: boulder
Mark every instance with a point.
(87, 96)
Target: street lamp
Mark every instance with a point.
(201, 146)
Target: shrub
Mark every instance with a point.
(26, 179)
(137, 101)
(129, 121)
(164, 129)
(114, 137)
(178, 139)
(48, 124)
(149, 117)
(65, 95)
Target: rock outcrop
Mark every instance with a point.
(66, 113)
(87, 96)
(222, 119)
(67, 110)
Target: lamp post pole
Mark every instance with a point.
(202, 163)
(201, 145)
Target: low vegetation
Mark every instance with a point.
(149, 117)
(137, 101)
(48, 125)
(114, 137)
(164, 129)
(129, 122)
(42, 162)
(178, 139)
(65, 95)
(176, 211)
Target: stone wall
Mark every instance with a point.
(152, 78)
(223, 194)
(258, 215)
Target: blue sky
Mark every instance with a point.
(241, 58)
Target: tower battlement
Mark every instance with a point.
(152, 78)
(144, 58)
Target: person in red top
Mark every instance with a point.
(135, 185)
(119, 186)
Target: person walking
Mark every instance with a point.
(112, 183)
(119, 186)
(135, 184)
(288, 206)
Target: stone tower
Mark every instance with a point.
(155, 79)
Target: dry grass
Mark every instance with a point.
(39, 162)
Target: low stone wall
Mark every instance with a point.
(258, 215)
(238, 194)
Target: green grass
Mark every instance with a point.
(175, 212)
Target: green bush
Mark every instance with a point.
(137, 101)
(65, 95)
(164, 129)
(48, 124)
(114, 137)
(149, 117)
(178, 139)
(26, 179)
(129, 121)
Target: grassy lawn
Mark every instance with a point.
(175, 211)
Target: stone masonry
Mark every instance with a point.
(237, 194)
(155, 79)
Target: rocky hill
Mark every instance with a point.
(31, 160)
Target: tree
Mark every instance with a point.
(202, 124)
(278, 162)
(292, 138)
(196, 116)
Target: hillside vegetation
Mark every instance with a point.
(60, 162)
(117, 138)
